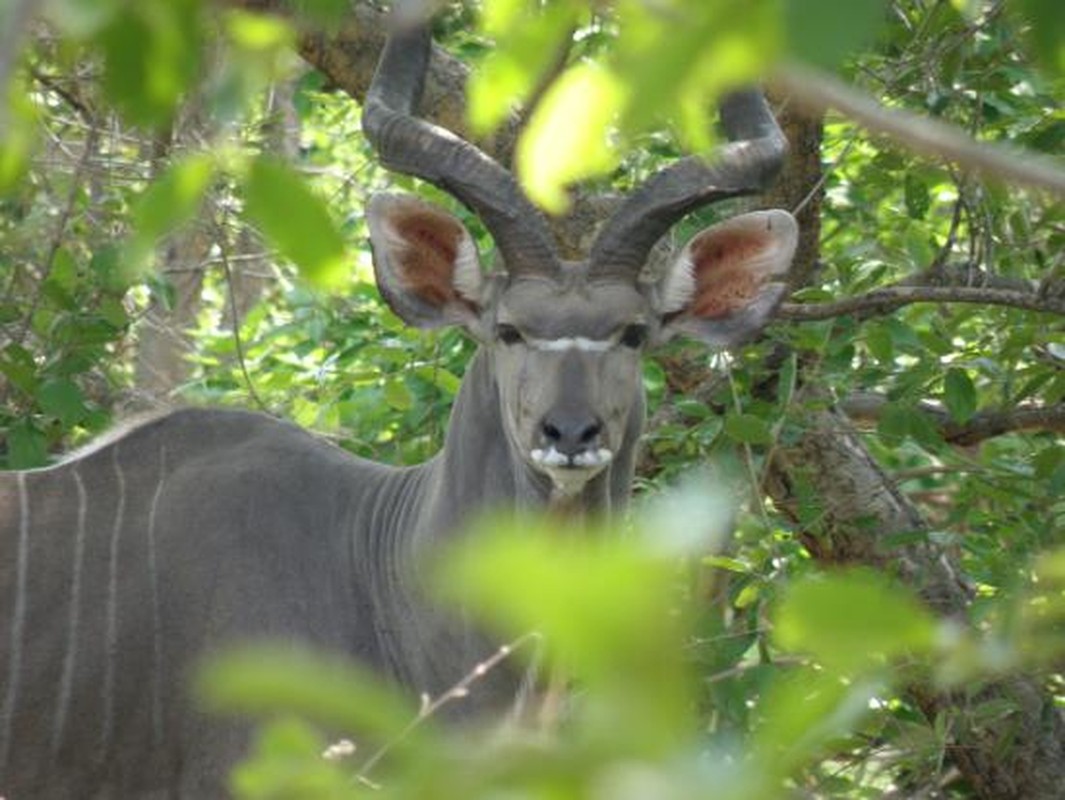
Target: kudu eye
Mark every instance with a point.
(508, 334)
(634, 336)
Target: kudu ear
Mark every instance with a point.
(720, 288)
(425, 262)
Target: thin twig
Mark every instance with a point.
(238, 343)
(76, 185)
(457, 692)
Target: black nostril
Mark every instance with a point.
(570, 433)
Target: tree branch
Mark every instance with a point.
(884, 301)
(866, 408)
(347, 55)
(819, 90)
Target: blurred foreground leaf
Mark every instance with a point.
(853, 621)
(296, 221)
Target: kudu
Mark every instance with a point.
(124, 565)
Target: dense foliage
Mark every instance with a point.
(181, 221)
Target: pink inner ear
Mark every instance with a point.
(426, 264)
(725, 264)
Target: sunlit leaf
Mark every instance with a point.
(803, 714)
(602, 606)
(397, 394)
(152, 56)
(296, 221)
(287, 762)
(168, 203)
(266, 680)
(18, 134)
(524, 51)
(852, 621)
(553, 151)
(257, 31)
(677, 64)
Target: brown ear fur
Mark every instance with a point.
(723, 282)
(721, 288)
(425, 261)
(426, 266)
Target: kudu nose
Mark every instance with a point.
(571, 433)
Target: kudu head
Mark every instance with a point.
(566, 338)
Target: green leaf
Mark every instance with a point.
(853, 621)
(397, 395)
(63, 399)
(823, 32)
(264, 680)
(168, 203)
(603, 606)
(18, 366)
(287, 762)
(1046, 32)
(880, 342)
(959, 394)
(26, 446)
(257, 32)
(19, 135)
(918, 198)
(526, 47)
(295, 221)
(554, 152)
(803, 713)
(748, 428)
(151, 57)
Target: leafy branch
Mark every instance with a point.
(867, 407)
(886, 300)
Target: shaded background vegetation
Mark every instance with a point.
(181, 222)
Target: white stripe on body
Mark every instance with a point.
(66, 681)
(111, 636)
(157, 626)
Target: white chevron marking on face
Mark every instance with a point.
(157, 625)
(571, 343)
